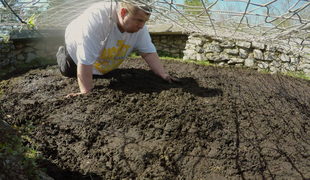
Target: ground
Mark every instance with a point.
(216, 123)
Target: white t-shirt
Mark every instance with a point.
(85, 36)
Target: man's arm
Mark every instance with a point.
(153, 61)
(85, 79)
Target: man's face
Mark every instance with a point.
(132, 23)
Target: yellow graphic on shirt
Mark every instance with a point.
(111, 58)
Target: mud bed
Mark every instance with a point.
(216, 123)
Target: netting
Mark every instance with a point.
(276, 21)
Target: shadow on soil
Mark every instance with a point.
(142, 81)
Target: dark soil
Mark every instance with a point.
(217, 123)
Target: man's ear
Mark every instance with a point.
(123, 12)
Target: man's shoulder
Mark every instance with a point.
(105, 5)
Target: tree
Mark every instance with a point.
(195, 7)
(286, 13)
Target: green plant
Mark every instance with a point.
(1, 91)
(207, 63)
(265, 70)
(134, 54)
(31, 21)
(5, 38)
(298, 74)
(161, 54)
(164, 54)
(17, 161)
(193, 6)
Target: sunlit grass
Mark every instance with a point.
(299, 74)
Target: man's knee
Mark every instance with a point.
(66, 65)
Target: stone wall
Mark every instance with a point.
(194, 47)
(170, 45)
(246, 53)
(7, 55)
(26, 51)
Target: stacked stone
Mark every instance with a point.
(7, 54)
(13, 54)
(25, 52)
(30, 50)
(246, 53)
(170, 44)
(196, 47)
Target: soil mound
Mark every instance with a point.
(216, 123)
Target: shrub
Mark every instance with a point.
(16, 160)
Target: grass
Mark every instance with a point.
(206, 63)
(1, 93)
(161, 54)
(299, 74)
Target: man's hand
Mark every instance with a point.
(171, 78)
(154, 63)
(74, 94)
(85, 79)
